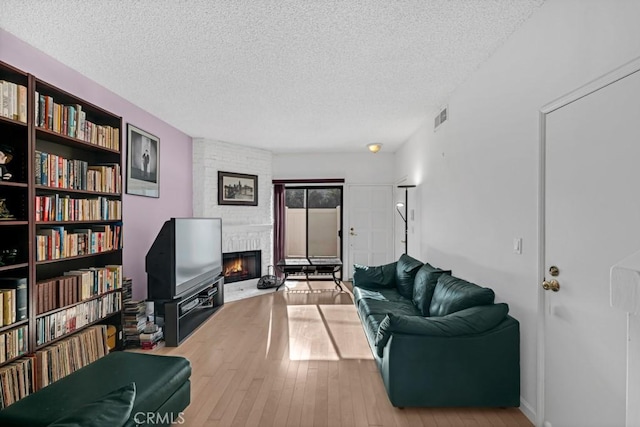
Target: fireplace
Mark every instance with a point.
(237, 266)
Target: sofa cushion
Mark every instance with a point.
(379, 294)
(424, 285)
(469, 321)
(454, 294)
(370, 324)
(370, 306)
(113, 409)
(383, 276)
(406, 269)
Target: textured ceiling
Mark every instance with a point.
(286, 76)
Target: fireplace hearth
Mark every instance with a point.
(238, 266)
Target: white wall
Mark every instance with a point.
(478, 173)
(244, 228)
(355, 168)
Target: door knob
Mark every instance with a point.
(553, 285)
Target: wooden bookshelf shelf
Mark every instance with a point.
(14, 325)
(59, 135)
(46, 188)
(79, 222)
(14, 266)
(11, 222)
(13, 184)
(6, 120)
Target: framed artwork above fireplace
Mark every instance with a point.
(237, 189)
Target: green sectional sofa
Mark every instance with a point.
(438, 340)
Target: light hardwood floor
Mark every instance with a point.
(299, 357)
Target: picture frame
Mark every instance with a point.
(143, 163)
(237, 189)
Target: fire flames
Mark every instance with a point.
(233, 267)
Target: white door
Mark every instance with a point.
(591, 221)
(370, 226)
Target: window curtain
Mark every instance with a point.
(279, 213)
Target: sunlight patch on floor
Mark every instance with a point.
(325, 332)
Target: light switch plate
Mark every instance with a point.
(517, 245)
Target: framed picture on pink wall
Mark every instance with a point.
(143, 163)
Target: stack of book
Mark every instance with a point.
(151, 336)
(127, 289)
(135, 319)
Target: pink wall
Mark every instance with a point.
(143, 216)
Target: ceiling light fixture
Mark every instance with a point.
(374, 147)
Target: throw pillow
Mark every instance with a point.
(113, 409)
(406, 269)
(470, 321)
(424, 285)
(454, 294)
(382, 276)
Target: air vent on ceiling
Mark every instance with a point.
(440, 118)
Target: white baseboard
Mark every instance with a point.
(528, 410)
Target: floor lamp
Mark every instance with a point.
(404, 217)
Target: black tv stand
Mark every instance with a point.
(183, 315)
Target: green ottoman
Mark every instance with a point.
(162, 392)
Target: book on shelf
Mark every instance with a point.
(56, 171)
(71, 120)
(55, 242)
(13, 343)
(75, 286)
(8, 306)
(13, 101)
(18, 304)
(66, 321)
(56, 207)
(70, 354)
(17, 380)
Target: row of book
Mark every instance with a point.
(13, 101)
(75, 286)
(70, 354)
(58, 242)
(13, 300)
(13, 343)
(63, 322)
(71, 120)
(17, 380)
(56, 207)
(56, 171)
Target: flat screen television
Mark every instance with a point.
(185, 257)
